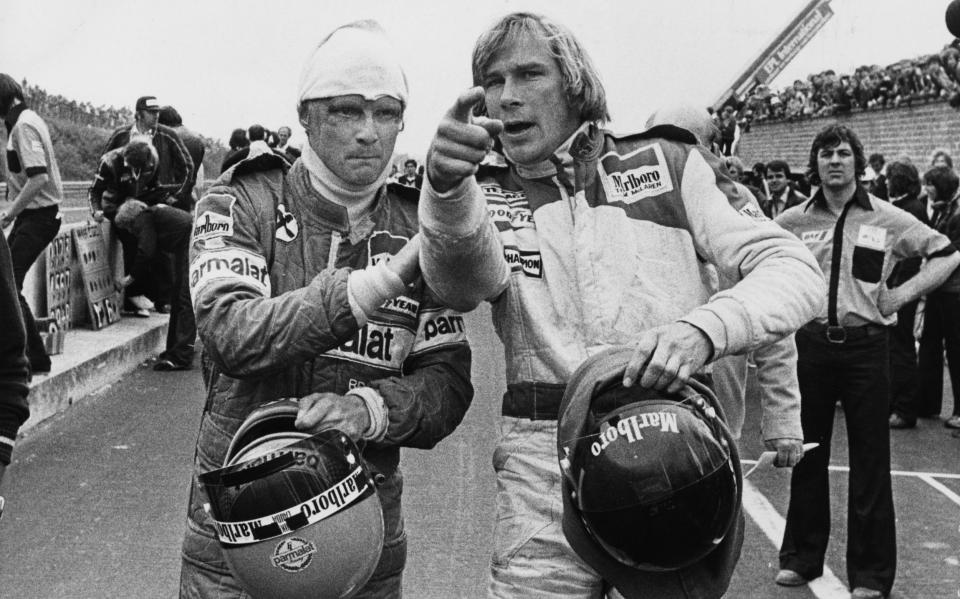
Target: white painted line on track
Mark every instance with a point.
(772, 524)
(941, 487)
(946, 475)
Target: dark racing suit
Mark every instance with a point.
(269, 263)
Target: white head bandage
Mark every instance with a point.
(355, 59)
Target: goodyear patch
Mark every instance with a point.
(401, 306)
(230, 264)
(438, 328)
(642, 173)
(508, 209)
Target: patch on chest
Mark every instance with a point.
(872, 237)
(381, 245)
(287, 226)
(642, 173)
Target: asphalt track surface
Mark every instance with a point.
(96, 499)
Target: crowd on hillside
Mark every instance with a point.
(906, 82)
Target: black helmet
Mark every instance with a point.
(650, 479)
(297, 515)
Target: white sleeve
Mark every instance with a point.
(779, 286)
(461, 254)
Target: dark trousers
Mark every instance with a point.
(941, 327)
(32, 231)
(856, 373)
(904, 383)
(182, 329)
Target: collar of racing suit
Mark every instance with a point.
(560, 161)
(355, 198)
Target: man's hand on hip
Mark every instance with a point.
(459, 145)
(665, 357)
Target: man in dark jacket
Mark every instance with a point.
(166, 229)
(902, 185)
(174, 166)
(194, 144)
(14, 367)
(782, 193)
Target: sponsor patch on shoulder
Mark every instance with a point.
(215, 221)
(439, 327)
(642, 173)
(231, 264)
(754, 213)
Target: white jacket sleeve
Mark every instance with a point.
(779, 286)
(461, 254)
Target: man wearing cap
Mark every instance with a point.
(175, 175)
(583, 240)
(175, 168)
(306, 285)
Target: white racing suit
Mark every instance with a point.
(610, 237)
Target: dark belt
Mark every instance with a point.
(838, 334)
(533, 401)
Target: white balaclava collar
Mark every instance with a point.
(355, 59)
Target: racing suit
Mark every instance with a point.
(609, 237)
(269, 264)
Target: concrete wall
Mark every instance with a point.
(915, 131)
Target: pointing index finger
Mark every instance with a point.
(461, 110)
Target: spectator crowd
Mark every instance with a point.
(870, 87)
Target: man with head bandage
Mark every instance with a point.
(305, 283)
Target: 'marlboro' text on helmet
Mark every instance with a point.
(651, 480)
(297, 515)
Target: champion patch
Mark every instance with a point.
(631, 177)
(527, 262)
(287, 226)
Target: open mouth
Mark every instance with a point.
(517, 127)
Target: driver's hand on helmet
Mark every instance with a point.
(322, 411)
